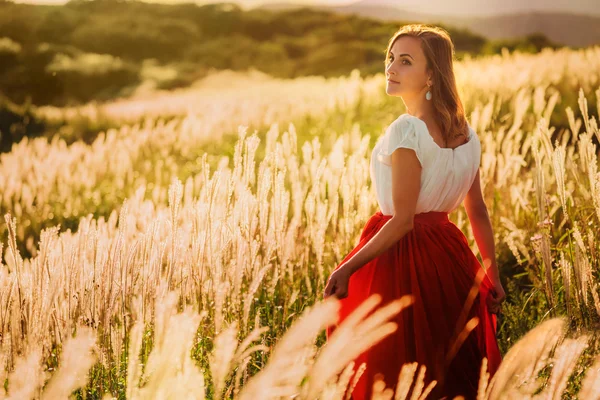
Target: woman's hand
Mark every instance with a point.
(338, 283)
(496, 297)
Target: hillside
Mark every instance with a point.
(557, 27)
(99, 50)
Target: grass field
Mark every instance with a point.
(182, 251)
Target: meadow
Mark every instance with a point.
(184, 252)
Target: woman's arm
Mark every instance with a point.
(406, 185)
(482, 228)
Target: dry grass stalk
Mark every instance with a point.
(76, 359)
(517, 375)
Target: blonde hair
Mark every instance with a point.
(438, 48)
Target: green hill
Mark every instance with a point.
(102, 49)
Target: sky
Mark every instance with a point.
(243, 3)
(455, 7)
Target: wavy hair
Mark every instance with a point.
(439, 53)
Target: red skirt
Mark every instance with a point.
(435, 264)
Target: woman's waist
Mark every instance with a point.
(425, 218)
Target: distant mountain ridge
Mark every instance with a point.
(564, 28)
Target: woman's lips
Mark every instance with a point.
(391, 81)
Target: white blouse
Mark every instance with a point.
(446, 175)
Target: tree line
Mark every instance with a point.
(101, 49)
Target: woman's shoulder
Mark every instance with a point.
(403, 126)
(404, 123)
(405, 118)
(400, 133)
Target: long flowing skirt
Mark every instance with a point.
(435, 264)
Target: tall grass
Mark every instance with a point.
(166, 292)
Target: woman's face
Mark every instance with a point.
(406, 69)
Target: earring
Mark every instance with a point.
(428, 95)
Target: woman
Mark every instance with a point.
(423, 167)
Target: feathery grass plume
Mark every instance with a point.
(405, 380)
(379, 391)
(134, 367)
(548, 265)
(550, 104)
(335, 390)
(347, 374)
(463, 327)
(249, 296)
(595, 193)
(583, 106)
(7, 284)
(175, 196)
(243, 353)
(582, 268)
(27, 378)
(542, 137)
(136, 333)
(460, 338)
(596, 297)
(484, 378)
(352, 337)
(221, 289)
(564, 360)
(76, 359)
(47, 285)
(342, 384)
(291, 357)
(6, 357)
(589, 158)
(566, 271)
(221, 358)
(573, 124)
(15, 264)
(515, 240)
(170, 372)
(590, 386)
(598, 104)
(174, 376)
(418, 392)
(558, 163)
(519, 368)
(587, 155)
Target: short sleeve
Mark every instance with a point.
(400, 134)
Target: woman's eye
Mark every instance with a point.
(390, 58)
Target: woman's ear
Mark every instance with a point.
(430, 77)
